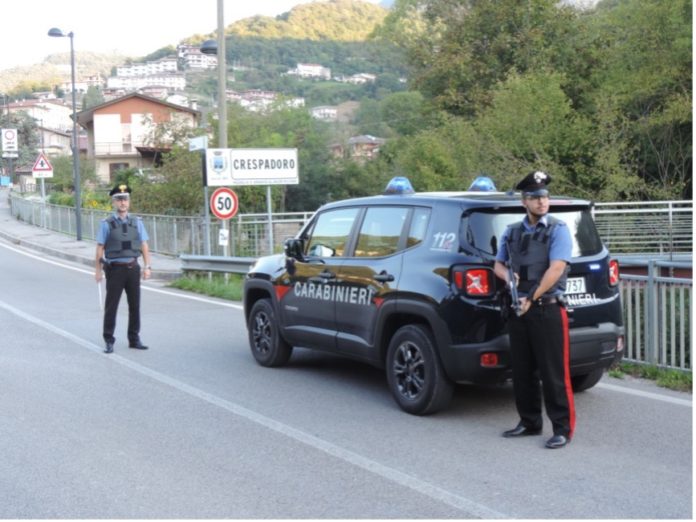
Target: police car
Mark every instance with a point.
(404, 281)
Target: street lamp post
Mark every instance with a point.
(75, 144)
(218, 48)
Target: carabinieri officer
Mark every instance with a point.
(121, 239)
(539, 249)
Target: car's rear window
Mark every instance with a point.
(483, 229)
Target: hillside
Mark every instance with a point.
(333, 20)
(55, 69)
(339, 20)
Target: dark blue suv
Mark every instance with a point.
(406, 283)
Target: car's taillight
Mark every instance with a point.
(613, 272)
(475, 282)
(489, 359)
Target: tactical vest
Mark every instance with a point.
(529, 255)
(123, 239)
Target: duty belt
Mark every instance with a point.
(130, 264)
(547, 300)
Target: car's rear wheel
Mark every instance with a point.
(267, 345)
(586, 381)
(414, 372)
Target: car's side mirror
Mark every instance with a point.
(294, 248)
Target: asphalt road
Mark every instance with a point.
(193, 428)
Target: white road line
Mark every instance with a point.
(143, 286)
(471, 508)
(645, 394)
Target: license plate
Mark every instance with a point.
(575, 285)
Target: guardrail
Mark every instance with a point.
(229, 265)
(657, 316)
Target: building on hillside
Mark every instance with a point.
(365, 146)
(118, 132)
(157, 67)
(359, 148)
(311, 70)
(357, 79)
(256, 100)
(155, 91)
(193, 58)
(82, 84)
(170, 81)
(324, 113)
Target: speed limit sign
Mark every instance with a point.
(224, 203)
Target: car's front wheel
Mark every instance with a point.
(414, 372)
(267, 345)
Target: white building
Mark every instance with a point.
(325, 113)
(311, 70)
(256, 100)
(194, 59)
(157, 67)
(52, 114)
(170, 81)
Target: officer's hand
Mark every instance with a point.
(525, 305)
(98, 276)
(146, 273)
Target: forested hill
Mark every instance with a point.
(333, 20)
(342, 20)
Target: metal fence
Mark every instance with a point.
(172, 235)
(662, 227)
(656, 227)
(657, 316)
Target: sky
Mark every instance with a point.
(131, 27)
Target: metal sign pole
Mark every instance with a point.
(43, 204)
(270, 218)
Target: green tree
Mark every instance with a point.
(645, 79)
(175, 188)
(27, 136)
(460, 49)
(92, 97)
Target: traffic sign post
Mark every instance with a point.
(224, 203)
(42, 167)
(10, 143)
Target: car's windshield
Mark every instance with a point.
(483, 229)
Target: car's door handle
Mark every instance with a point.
(322, 277)
(383, 277)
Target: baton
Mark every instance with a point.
(99, 296)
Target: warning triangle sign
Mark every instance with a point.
(42, 164)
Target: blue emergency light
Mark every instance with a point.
(399, 185)
(483, 184)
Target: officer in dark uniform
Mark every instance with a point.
(539, 251)
(121, 239)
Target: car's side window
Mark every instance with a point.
(331, 232)
(381, 231)
(419, 226)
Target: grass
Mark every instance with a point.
(224, 286)
(679, 380)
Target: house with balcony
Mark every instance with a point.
(119, 132)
